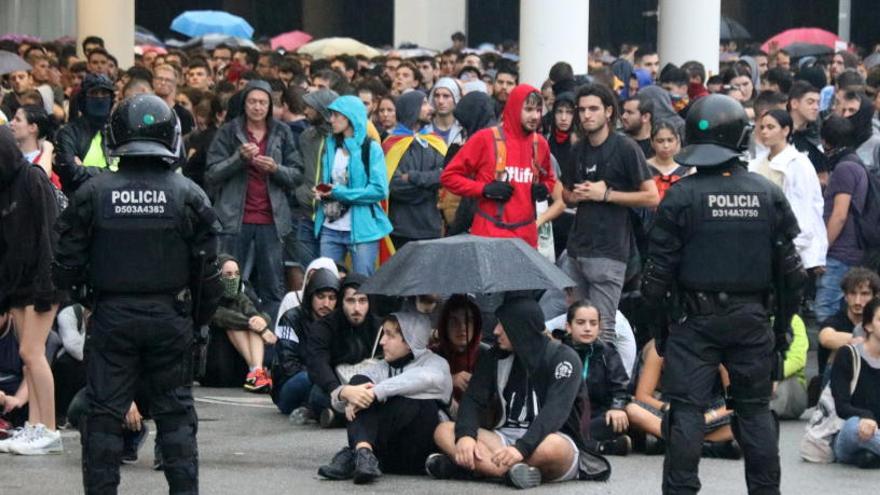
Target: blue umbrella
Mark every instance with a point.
(198, 22)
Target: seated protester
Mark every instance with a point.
(858, 441)
(605, 377)
(345, 336)
(247, 328)
(69, 369)
(647, 409)
(13, 387)
(537, 384)
(291, 380)
(458, 341)
(134, 429)
(294, 298)
(789, 398)
(859, 286)
(393, 406)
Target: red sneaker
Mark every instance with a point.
(263, 383)
(251, 380)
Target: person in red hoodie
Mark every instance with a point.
(508, 168)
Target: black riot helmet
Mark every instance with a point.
(717, 130)
(144, 125)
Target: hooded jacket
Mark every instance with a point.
(867, 143)
(412, 203)
(294, 330)
(226, 177)
(234, 313)
(474, 166)
(474, 112)
(663, 110)
(311, 148)
(561, 150)
(426, 377)
(333, 341)
(27, 239)
(364, 191)
(554, 371)
(295, 298)
(465, 360)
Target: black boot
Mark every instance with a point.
(366, 466)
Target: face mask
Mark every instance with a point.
(98, 108)
(230, 285)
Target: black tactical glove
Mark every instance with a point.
(539, 192)
(498, 191)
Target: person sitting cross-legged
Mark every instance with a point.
(392, 407)
(542, 398)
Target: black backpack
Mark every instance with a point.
(867, 221)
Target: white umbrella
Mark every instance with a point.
(331, 47)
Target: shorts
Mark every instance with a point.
(509, 436)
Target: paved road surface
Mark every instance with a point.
(248, 448)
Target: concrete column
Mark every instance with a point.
(689, 30)
(844, 16)
(112, 20)
(552, 31)
(429, 24)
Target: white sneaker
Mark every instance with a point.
(40, 442)
(16, 436)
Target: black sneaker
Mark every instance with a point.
(331, 419)
(366, 466)
(523, 476)
(722, 450)
(621, 446)
(866, 459)
(341, 467)
(442, 467)
(132, 442)
(654, 445)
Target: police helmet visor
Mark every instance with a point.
(704, 155)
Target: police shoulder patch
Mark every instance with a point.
(563, 370)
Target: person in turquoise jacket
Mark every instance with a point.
(350, 218)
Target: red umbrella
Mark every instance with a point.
(290, 41)
(813, 36)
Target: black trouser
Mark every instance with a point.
(401, 431)
(130, 341)
(740, 338)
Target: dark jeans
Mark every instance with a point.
(295, 392)
(300, 245)
(401, 431)
(268, 266)
(739, 337)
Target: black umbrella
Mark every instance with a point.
(466, 264)
(733, 30)
(798, 50)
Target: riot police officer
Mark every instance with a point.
(144, 240)
(720, 248)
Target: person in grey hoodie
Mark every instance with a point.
(662, 107)
(412, 202)
(393, 406)
(252, 169)
(303, 247)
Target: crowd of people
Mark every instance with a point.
(319, 170)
